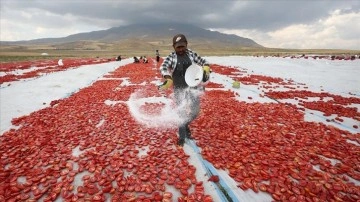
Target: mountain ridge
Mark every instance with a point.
(152, 34)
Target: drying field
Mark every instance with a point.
(88, 147)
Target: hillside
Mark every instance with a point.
(142, 39)
(154, 34)
(132, 39)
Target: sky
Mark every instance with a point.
(314, 24)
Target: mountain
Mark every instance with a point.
(150, 33)
(136, 39)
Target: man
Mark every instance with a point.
(173, 71)
(157, 56)
(145, 60)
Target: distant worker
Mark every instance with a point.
(145, 60)
(136, 60)
(157, 56)
(118, 58)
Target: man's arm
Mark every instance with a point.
(166, 73)
(165, 66)
(205, 65)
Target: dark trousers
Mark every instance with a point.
(188, 101)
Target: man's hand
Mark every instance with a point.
(167, 84)
(206, 75)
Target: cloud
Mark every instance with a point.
(257, 20)
(337, 31)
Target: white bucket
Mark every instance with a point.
(193, 75)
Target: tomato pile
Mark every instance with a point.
(81, 149)
(116, 158)
(319, 57)
(269, 147)
(37, 68)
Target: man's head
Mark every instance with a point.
(179, 44)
